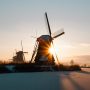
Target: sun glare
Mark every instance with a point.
(51, 50)
(56, 50)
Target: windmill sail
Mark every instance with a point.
(48, 24)
(21, 45)
(58, 33)
(34, 52)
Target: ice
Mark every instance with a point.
(46, 81)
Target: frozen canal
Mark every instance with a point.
(46, 81)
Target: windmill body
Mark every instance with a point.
(19, 57)
(43, 56)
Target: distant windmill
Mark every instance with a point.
(19, 58)
(41, 56)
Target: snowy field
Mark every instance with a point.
(46, 81)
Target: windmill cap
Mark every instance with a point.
(44, 37)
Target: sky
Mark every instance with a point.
(22, 19)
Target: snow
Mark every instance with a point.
(46, 81)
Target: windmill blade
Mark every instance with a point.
(34, 52)
(21, 45)
(55, 53)
(33, 37)
(22, 51)
(58, 33)
(48, 24)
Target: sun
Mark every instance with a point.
(55, 52)
(51, 50)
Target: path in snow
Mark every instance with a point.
(46, 81)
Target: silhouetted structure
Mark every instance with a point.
(19, 58)
(41, 54)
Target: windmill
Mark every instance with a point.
(40, 55)
(20, 57)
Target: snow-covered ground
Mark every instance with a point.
(46, 81)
